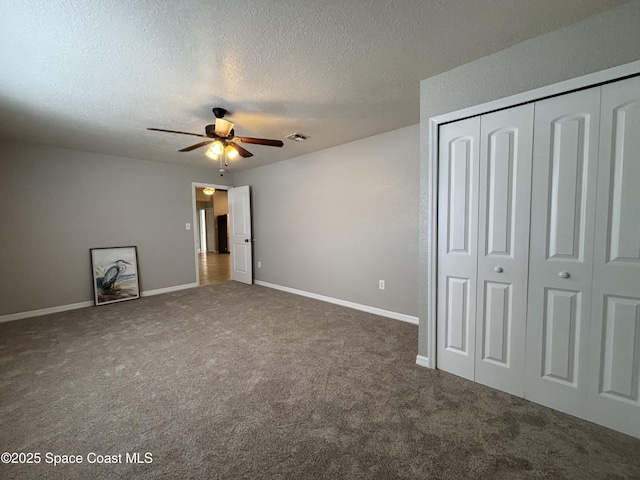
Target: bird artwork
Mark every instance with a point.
(111, 275)
(115, 274)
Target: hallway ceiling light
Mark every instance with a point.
(208, 191)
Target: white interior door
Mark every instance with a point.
(457, 246)
(503, 247)
(565, 163)
(614, 367)
(240, 234)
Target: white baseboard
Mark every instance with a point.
(44, 311)
(175, 288)
(356, 306)
(365, 308)
(423, 361)
(90, 303)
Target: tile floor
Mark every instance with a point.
(214, 268)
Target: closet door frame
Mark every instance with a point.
(431, 248)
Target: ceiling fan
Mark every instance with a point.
(222, 138)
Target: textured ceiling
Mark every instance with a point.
(92, 75)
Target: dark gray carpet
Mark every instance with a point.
(234, 381)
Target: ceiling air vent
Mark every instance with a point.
(297, 137)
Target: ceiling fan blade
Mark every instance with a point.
(242, 151)
(174, 131)
(197, 145)
(260, 141)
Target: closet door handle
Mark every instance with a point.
(499, 269)
(564, 275)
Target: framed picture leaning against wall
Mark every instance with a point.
(115, 274)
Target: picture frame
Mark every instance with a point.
(115, 274)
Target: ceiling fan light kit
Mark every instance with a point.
(223, 141)
(216, 148)
(230, 152)
(211, 154)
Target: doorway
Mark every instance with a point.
(211, 213)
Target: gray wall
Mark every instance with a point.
(220, 203)
(597, 43)
(336, 221)
(56, 204)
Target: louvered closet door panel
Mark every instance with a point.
(614, 384)
(503, 247)
(457, 246)
(565, 158)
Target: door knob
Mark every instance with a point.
(499, 269)
(564, 275)
(246, 240)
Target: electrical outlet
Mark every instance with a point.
(187, 226)
(381, 284)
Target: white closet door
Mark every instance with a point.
(614, 384)
(503, 247)
(457, 246)
(561, 249)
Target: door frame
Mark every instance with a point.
(580, 83)
(195, 185)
